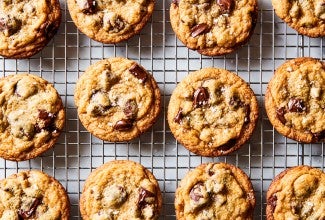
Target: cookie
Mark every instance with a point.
(117, 99)
(213, 27)
(306, 17)
(110, 21)
(121, 189)
(33, 195)
(297, 193)
(295, 100)
(26, 26)
(212, 112)
(215, 191)
(31, 116)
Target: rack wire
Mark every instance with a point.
(77, 152)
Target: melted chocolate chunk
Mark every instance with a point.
(25, 214)
(227, 146)
(201, 97)
(130, 109)
(280, 114)
(196, 192)
(235, 102)
(199, 29)
(47, 122)
(226, 6)
(143, 194)
(272, 202)
(9, 25)
(138, 72)
(178, 118)
(247, 110)
(87, 6)
(99, 110)
(123, 125)
(296, 105)
(319, 136)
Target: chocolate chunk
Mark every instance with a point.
(319, 136)
(280, 114)
(296, 105)
(196, 192)
(50, 30)
(139, 72)
(235, 102)
(199, 29)
(99, 110)
(201, 97)
(25, 214)
(130, 109)
(123, 125)
(227, 146)
(143, 195)
(87, 6)
(210, 172)
(226, 6)
(176, 2)
(178, 118)
(46, 123)
(272, 202)
(247, 111)
(9, 25)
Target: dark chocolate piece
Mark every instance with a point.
(123, 125)
(201, 97)
(138, 72)
(296, 105)
(199, 29)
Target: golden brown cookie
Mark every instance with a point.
(117, 99)
(121, 189)
(215, 191)
(213, 27)
(297, 193)
(212, 112)
(110, 21)
(306, 17)
(33, 195)
(295, 100)
(31, 116)
(26, 26)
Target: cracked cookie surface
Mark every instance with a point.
(26, 26)
(33, 195)
(213, 27)
(297, 193)
(117, 99)
(121, 189)
(295, 100)
(215, 191)
(306, 17)
(212, 112)
(110, 21)
(31, 116)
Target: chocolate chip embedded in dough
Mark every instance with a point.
(272, 202)
(130, 109)
(199, 29)
(201, 97)
(9, 25)
(196, 192)
(280, 114)
(296, 105)
(25, 214)
(123, 125)
(226, 6)
(176, 2)
(247, 111)
(178, 118)
(138, 72)
(227, 146)
(144, 196)
(87, 6)
(235, 102)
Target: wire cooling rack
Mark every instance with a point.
(77, 153)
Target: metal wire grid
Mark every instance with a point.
(77, 153)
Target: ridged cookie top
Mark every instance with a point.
(27, 22)
(121, 190)
(307, 17)
(207, 24)
(297, 193)
(117, 99)
(296, 99)
(215, 191)
(33, 195)
(211, 109)
(110, 21)
(31, 116)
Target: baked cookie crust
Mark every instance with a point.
(121, 189)
(32, 116)
(213, 27)
(117, 99)
(212, 112)
(26, 26)
(295, 100)
(215, 191)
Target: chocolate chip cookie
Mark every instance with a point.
(212, 112)
(295, 100)
(33, 195)
(306, 17)
(215, 191)
(117, 99)
(26, 26)
(121, 189)
(110, 21)
(213, 27)
(31, 116)
(297, 193)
